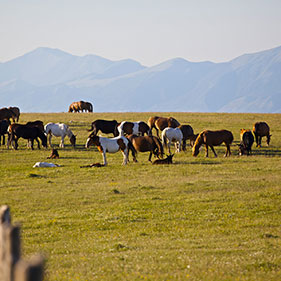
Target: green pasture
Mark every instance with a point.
(198, 219)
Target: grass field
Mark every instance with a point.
(199, 219)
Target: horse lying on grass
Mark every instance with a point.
(213, 138)
(112, 146)
(168, 160)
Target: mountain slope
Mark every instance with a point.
(48, 80)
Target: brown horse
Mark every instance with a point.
(187, 133)
(147, 143)
(16, 111)
(135, 128)
(160, 123)
(78, 106)
(213, 138)
(261, 129)
(246, 142)
(6, 113)
(168, 160)
(106, 126)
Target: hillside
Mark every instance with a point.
(48, 80)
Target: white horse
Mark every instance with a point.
(111, 145)
(172, 135)
(59, 130)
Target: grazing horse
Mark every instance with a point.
(6, 113)
(133, 128)
(261, 129)
(168, 160)
(106, 126)
(111, 146)
(247, 140)
(160, 123)
(172, 135)
(16, 112)
(213, 138)
(147, 143)
(59, 130)
(17, 131)
(37, 123)
(4, 124)
(187, 133)
(78, 106)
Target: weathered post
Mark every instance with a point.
(9, 245)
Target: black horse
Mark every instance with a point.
(4, 124)
(30, 133)
(106, 126)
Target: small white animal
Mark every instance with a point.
(45, 164)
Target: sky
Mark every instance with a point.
(149, 31)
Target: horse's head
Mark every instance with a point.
(43, 138)
(242, 149)
(268, 139)
(170, 158)
(196, 146)
(92, 140)
(73, 140)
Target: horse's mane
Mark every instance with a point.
(198, 141)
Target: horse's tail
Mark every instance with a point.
(90, 107)
(132, 148)
(159, 146)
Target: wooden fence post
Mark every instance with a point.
(12, 268)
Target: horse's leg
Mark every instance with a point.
(150, 155)
(32, 143)
(213, 150)
(169, 146)
(125, 153)
(62, 142)
(38, 143)
(227, 152)
(49, 140)
(207, 153)
(184, 145)
(157, 132)
(104, 158)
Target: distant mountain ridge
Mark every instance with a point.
(48, 80)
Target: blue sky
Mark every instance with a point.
(147, 31)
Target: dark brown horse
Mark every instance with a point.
(160, 123)
(167, 160)
(16, 112)
(187, 133)
(213, 138)
(133, 128)
(17, 131)
(261, 129)
(246, 142)
(37, 123)
(147, 143)
(4, 124)
(105, 126)
(6, 113)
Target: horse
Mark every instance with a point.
(6, 113)
(4, 124)
(111, 145)
(168, 160)
(37, 123)
(16, 112)
(160, 123)
(213, 138)
(172, 135)
(106, 126)
(59, 130)
(17, 131)
(261, 129)
(187, 133)
(133, 128)
(147, 143)
(247, 140)
(78, 106)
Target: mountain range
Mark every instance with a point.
(48, 80)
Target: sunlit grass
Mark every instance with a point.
(199, 219)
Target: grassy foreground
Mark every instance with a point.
(199, 219)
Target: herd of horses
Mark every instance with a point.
(131, 137)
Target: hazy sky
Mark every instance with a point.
(149, 31)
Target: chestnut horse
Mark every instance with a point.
(213, 138)
(106, 126)
(111, 146)
(135, 128)
(78, 106)
(147, 143)
(160, 123)
(261, 129)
